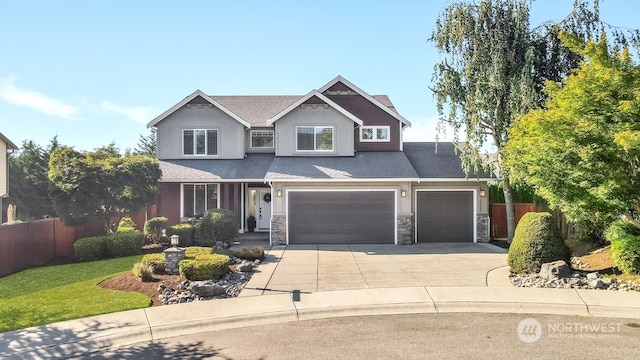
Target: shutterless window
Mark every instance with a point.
(200, 142)
(262, 139)
(374, 133)
(198, 198)
(314, 138)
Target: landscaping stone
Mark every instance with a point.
(576, 280)
(594, 275)
(555, 269)
(206, 288)
(246, 267)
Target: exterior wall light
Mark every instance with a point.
(403, 193)
(279, 193)
(483, 193)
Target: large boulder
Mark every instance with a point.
(554, 270)
(206, 288)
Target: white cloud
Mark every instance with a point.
(40, 102)
(136, 113)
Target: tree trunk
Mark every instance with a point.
(508, 202)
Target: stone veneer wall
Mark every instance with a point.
(405, 229)
(278, 230)
(482, 229)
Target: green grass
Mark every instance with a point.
(56, 293)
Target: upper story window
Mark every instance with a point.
(262, 139)
(314, 138)
(374, 133)
(200, 142)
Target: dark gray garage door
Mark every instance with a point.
(341, 217)
(445, 216)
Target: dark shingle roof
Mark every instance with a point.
(253, 167)
(443, 164)
(364, 165)
(257, 109)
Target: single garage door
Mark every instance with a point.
(445, 216)
(341, 217)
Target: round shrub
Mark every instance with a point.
(217, 225)
(142, 271)
(204, 267)
(153, 229)
(125, 244)
(535, 242)
(126, 225)
(91, 248)
(624, 236)
(185, 233)
(193, 251)
(155, 261)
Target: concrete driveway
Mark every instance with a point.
(312, 268)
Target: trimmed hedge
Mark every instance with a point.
(153, 229)
(91, 248)
(193, 251)
(185, 232)
(204, 267)
(126, 225)
(535, 242)
(624, 236)
(217, 225)
(108, 246)
(155, 261)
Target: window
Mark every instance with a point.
(314, 138)
(374, 133)
(198, 198)
(200, 142)
(262, 139)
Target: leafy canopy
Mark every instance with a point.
(101, 182)
(581, 153)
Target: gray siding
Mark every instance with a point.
(230, 132)
(318, 116)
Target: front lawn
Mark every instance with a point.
(56, 293)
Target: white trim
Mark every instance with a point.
(469, 179)
(187, 99)
(273, 134)
(323, 180)
(475, 209)
(212, 181)
(315, 145)
(375, 133)
(395, 204)
(321, 97)
(366, 96)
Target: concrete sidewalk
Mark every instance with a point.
(86, 335)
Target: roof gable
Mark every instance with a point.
(342, 84)
(200, 98)
(10, 145)
(314, 97)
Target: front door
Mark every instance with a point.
(263, 211)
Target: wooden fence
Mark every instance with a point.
(498, 214)
(29, 244)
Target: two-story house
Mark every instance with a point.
(6, 147)
(326, 167)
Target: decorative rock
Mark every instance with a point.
(246, 267)
(206, 288)
(596, 284)
(594, 275)
(554, 270)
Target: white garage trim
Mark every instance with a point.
(475, 209)
(395, 205)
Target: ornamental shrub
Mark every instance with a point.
(193, 251)
(125, 244)
(536, 241)
(126, 225)
(155, 261)
(204, 267)
(217, 225)
(142, 271)
(91, 248)
(250, 253)
(185, 232)
(624, 236)
(153, 229)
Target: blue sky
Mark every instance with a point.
(95, 72)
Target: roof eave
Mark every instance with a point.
(312, 93)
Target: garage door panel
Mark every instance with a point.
(445, 216)
(340, 217)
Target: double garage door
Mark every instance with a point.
(369, 217)
(444, 216)
(341, 217)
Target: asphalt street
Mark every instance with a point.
(417, 336)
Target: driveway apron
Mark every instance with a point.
(312, 268)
